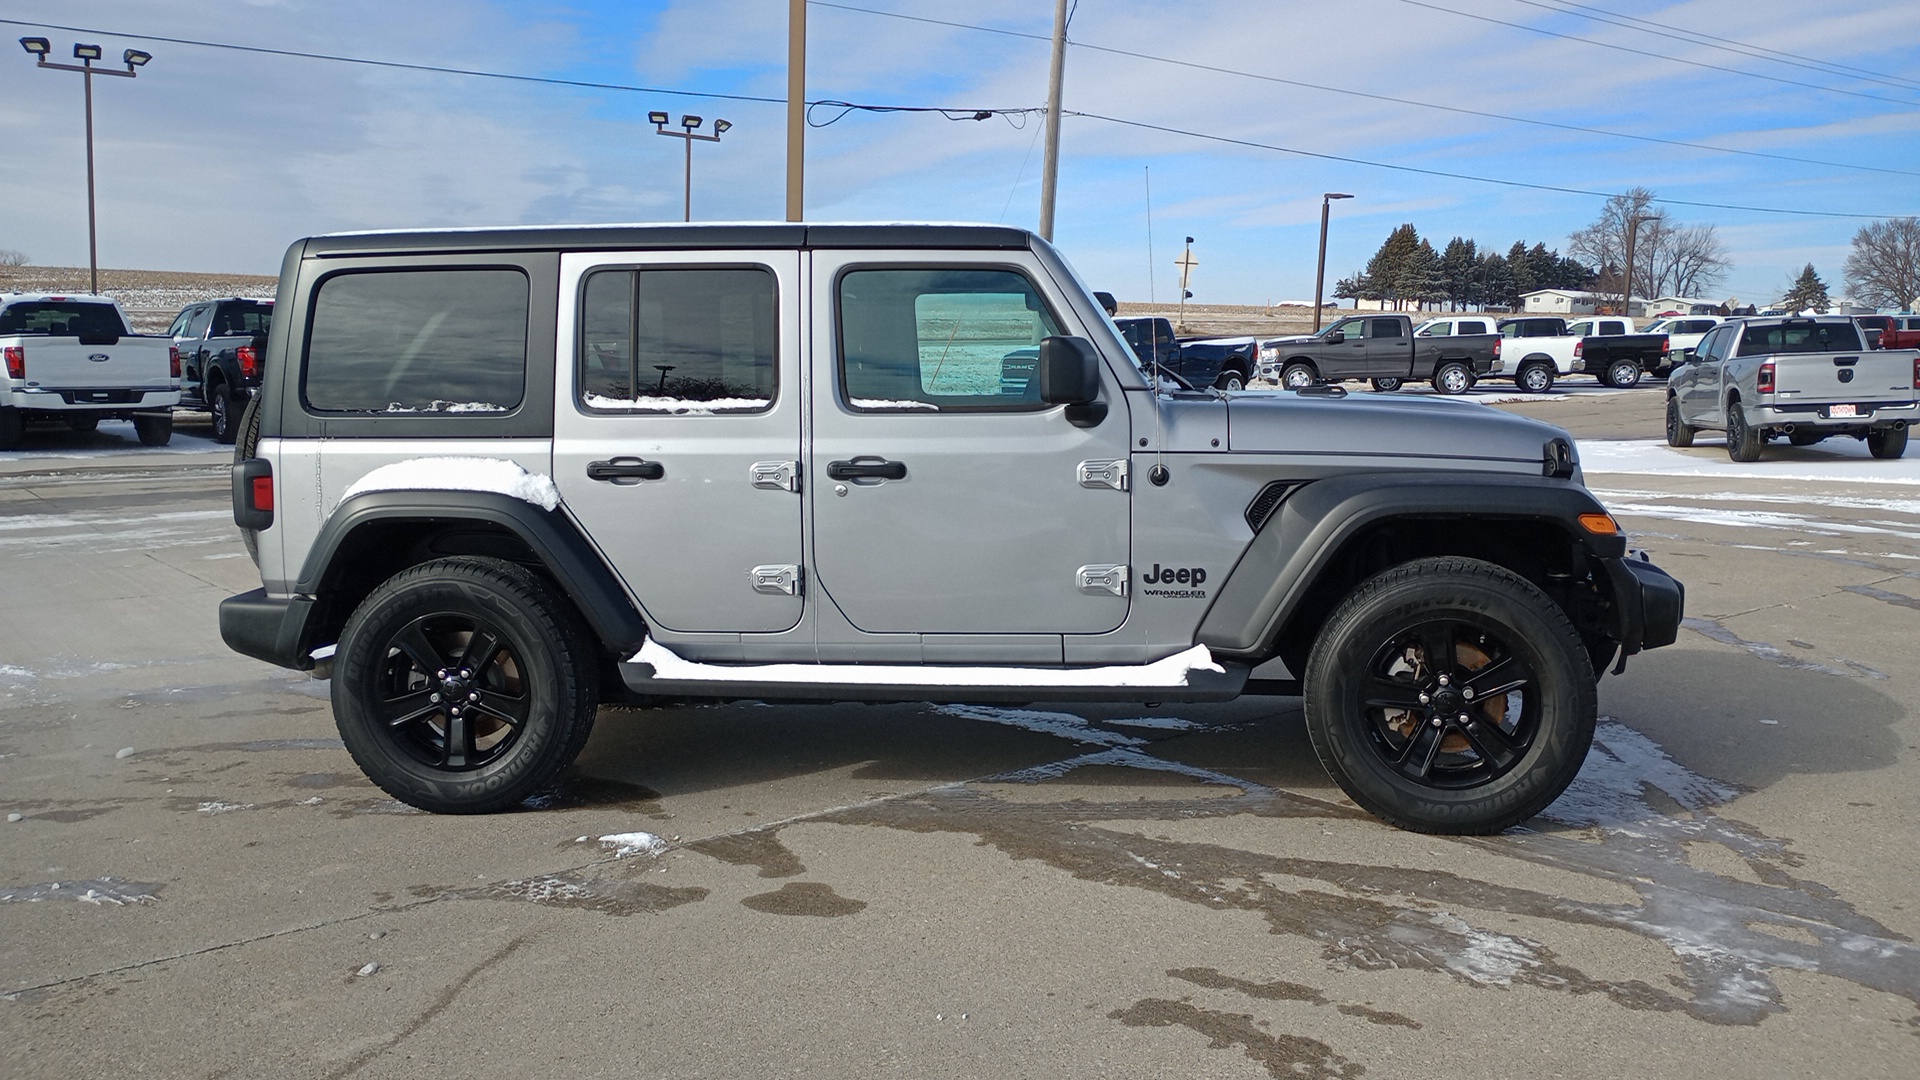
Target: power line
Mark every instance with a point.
(1658, 56)
(1456, 110)
(1464, 176)
(1758, 52)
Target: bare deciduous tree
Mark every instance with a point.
(10, 257)
(1884, 268)
(1668, 257)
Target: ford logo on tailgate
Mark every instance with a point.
(99, 357)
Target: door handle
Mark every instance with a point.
(625, 468)
(867, 469)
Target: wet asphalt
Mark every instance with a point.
(199, 882)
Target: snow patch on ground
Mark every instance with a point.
(1843, 461)
(1059, 724)
(1127, 757)
(216, 806)
(96, 891)
(496, 475)
(669, 666)
(1610, 790)
(633, 843)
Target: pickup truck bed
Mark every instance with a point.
(73, 359)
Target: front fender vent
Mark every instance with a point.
(1269, 500)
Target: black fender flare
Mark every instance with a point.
(1300, 540)
(562, 548)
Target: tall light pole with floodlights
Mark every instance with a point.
(1320, 270)
(691, 135)
(38, 48)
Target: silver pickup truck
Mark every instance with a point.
(1804, 379)
(73, 359)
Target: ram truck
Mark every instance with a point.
(219, 343)
(73, 359)
(1803, 379)
(1541, 349)
(1384, 350)
(885, 463)
(1901, 332)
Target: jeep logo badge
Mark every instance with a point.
(99, 357)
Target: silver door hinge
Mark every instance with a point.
(776, 475)
(1108, 474)
(1104, 577)
(781, 579)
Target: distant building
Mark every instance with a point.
(1685, 305)
(1559, 302)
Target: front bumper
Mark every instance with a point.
(270, 628)
(1648, 604)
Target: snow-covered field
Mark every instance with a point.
(1838, 461)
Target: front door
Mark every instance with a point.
(677, 430)
(947, 499)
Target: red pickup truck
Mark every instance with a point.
(1902, 332)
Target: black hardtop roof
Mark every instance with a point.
(669, 237)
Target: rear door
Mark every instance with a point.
(677, 430)
(1389, 349)
(947, 499)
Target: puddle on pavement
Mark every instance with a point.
(579, 791)
(571, 889)
(320, 781)
(100, 892)
(1292, 1056)
(1712, 630)
(761, 848)
(1281, 990)
(805, 898)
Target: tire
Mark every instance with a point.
(1621, 375)
(533, 694)
(1743, 442)
(1230, 380)
(225, 412)
(243, 448)
(154, 429)
(1805, 436)
(1530, 718)
(1452, 378)
(1887, 442)
(83, 424)
(1678, 432)
(1298, 376)
(1388, 386)
(1534, 378)
(13, 427)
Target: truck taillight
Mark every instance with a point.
(1496, 348)
(1916, 373)
(173, 361)
(1765, 381)
(253, 494)
(249, 362)
(1579, 347)
(1666, 346)
(17, 362)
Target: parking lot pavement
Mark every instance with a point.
(200, 882)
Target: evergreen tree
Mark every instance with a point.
(1520, 269)
(1808, 292)
(1496, 282)
(1391, 269)
(1457, 266)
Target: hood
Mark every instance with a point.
(1381, 425)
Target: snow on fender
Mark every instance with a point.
(498, 475)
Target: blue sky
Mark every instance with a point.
(216, 160)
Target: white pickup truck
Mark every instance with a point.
(1683, 335)
(1540, 348)
(73, 359)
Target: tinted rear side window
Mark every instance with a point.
(243, 317)
(61, 318)
(418, 341)
(1799, 338)
(680, 341)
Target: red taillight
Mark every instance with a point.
(1496, 348)
(16, 361)
(263, 493)
(1580, 347)
(1666, 346)
(1916, 374)
(1765, 382)
(173, 361)
(249, 362)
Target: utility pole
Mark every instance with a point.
(1050, 171)
(1626, 296)
(1320, 270)
(796, 107)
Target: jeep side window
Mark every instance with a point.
(681, 340)
(958, 339)
(418, 341)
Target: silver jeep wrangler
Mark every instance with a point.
(497, 478)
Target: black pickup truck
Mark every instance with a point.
(1381, 348)
(220, 343)
(1222, 363)
(1543, 347)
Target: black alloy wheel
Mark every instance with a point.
(220, 408)
(1678, 433)
(1743, 441)
(1450, 695)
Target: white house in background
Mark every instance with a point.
(1685, 305)
(1559, 302)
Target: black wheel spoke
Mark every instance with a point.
(1416, 758)
(1388, 693)
(1483, 684)
(1436, 639)
(482, 647)
(459, 746)
(1492, 744)
(508, 710)
(406, 708)
(413, 641)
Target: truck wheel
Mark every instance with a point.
(461, 686)
(1534, 378)
(1622, 374)
(1230, 380)
(1678, 432)
(154, 429)
(13, 427)
(225, 412)
(1887, 442)
(1453, 378)
(1298, 376)
(244, 448)
(1743, 442)
(1387, 386)
(83, 424)
(1449, 695)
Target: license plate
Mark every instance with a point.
(1842, 410)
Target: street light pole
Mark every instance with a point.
(38, 48)
(691, 135)
(1626, 293)
(1320, 269)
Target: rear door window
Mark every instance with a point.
(1384, 328)
(680, 340)
(418, 341)
(61, 318)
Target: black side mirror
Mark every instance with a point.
(1336, 337)
(1069, 371)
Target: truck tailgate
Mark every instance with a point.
(1863, 377)
(65, 364)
